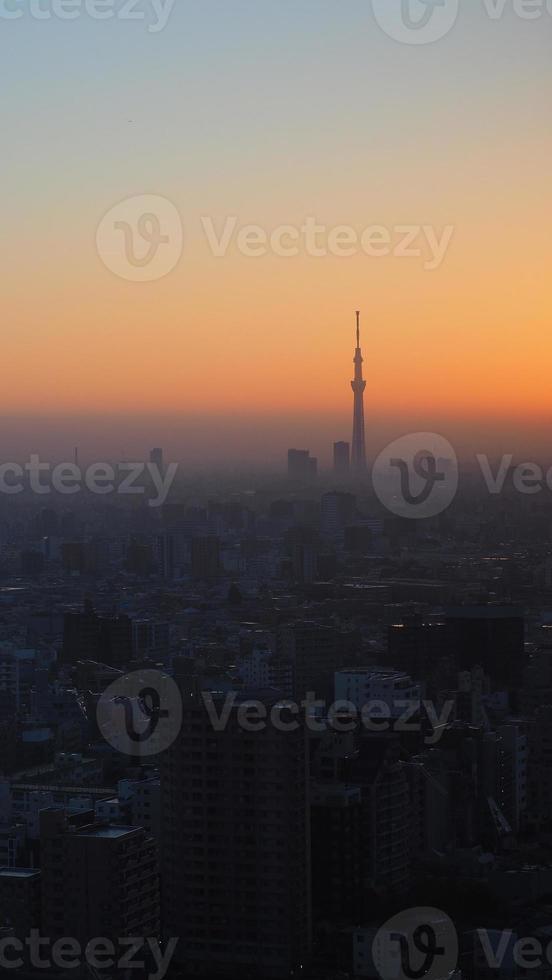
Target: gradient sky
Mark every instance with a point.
(273, 111)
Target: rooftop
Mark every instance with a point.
(18, 872)
(108, 832)
(374, 671)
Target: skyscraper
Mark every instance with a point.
(338, 510)
(358, 385)
(236, 848)
(97, 879)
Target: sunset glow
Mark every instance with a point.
(222, 137)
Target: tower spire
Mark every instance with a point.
(358, 385)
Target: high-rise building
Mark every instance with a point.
(539, 767)
(491, 637)
(81, 635)
(150, 638)
(316, 651)
(97, 879)
(205, 557)
(301, 465)
(360, 820)
(337, 834)
(341, 458)
(420, 647)
(377, 769)
(364, 685)
(20, 900)
(358, 385)
(88, 636)
(338, 510)
(235, 842)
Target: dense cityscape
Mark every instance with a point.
(276, 490)
(277, 730)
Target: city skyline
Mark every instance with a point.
(276, 588)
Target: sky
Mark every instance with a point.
(269, 114)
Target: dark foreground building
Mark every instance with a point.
(97, 880)
(235, 844)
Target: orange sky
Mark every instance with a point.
(323, 117)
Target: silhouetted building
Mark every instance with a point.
(235, 844)
(316, 652)
(491, 637)
(420, 647)
(361, 812)
(139, 559)
(363, 685)
(385, 851)
(149, 639)
(81, 635)
(205, 557)
(87, 636)
(97, 880)
(301, 465)
(539, 772)
(116, 640)
(304, 563)
(73, 557)
(20, 900)
(358, 538)
(336, 834)
(338, 510)
(341, 458)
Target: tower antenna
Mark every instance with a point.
(358, 385)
